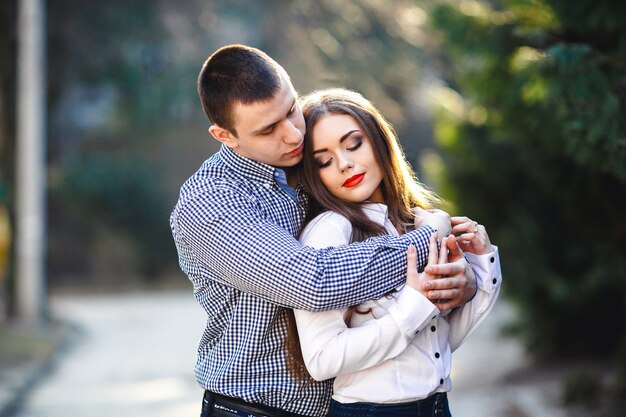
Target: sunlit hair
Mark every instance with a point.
(400, 188)
(236, 74)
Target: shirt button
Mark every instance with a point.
(441, 381)
(495, 280)
(437, 355)
(492, 259)
(433, 328)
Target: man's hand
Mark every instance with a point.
(437, 219)
(458, 284)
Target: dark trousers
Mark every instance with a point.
(434, 406)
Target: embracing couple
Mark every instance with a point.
(331, 283)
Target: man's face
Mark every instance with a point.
(271, 131)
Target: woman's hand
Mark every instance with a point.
(437, 219)
(471, 236)
(416, 279)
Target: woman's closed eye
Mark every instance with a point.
(324, 164)
(355, 144)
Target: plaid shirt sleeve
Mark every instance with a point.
(222, 234)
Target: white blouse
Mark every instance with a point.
(400, 350)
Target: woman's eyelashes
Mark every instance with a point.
(322, 164)
(355, 143)
(351, 146)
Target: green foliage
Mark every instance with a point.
(582, 388)
(112, 82)
(103, 190)
(545, 168)
(117, 43)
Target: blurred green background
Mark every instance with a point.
(514, 111)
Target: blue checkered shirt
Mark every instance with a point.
(234, 229)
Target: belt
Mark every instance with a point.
(222, 406)
(436, 404)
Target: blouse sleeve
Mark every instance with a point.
(464, 320)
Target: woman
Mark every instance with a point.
(389, 356)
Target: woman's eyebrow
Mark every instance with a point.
(341, 139)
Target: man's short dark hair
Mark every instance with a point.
(236, 74)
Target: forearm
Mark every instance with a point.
(258, 257)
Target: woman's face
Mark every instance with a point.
(345, 157)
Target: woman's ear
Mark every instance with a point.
(224, 136)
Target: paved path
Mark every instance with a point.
(134, 357)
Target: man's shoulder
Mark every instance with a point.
(212, 184)
(213, 175)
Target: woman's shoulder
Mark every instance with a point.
(327, 229)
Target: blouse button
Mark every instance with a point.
(433, 328)
(441, 381)
(494, 280)
(437, 355)
(492, 259)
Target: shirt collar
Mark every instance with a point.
(247, 167)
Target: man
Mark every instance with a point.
(234, 228)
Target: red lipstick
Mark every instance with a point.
(354, 180)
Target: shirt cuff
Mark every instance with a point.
(487, 269)
(412, 311)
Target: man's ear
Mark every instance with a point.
(222, 135)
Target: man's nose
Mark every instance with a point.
(291, 133)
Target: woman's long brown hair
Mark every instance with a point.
(400, 188)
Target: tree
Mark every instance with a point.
(536, 146)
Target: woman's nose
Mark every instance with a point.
(345, 163)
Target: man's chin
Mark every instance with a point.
(292, 161)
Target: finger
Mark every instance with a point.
(448, 304)
(441, 295)
(445, 288)
(433, 252)
(411, 258)
(447, 283)
(466, 236)
(448, 268)
(459, 220)
(411, 265)
(463, 228)
(443, 251)
(454, 250)
(468, 226)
